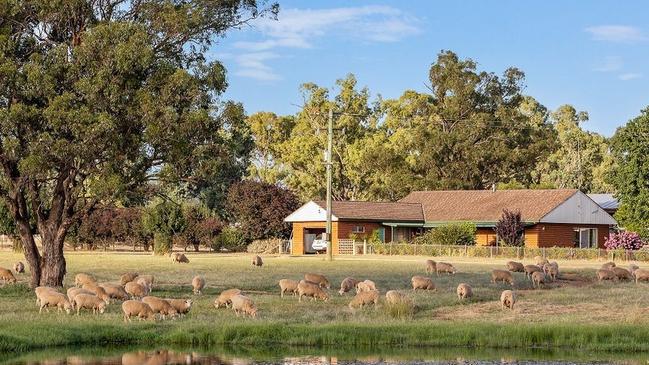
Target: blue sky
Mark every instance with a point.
(591, 54)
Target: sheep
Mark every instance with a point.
(198, 283)
(146, 280)
(365, 285)
(608, 265)
(89, 301)
(136, 290)
(287, 286)
(7, 276)
(622, 273)
(603, 274)
(180, 258)
(182, 306)
(552, 272)
(395, 297)
(364, 298)
(115, 291)
(50, 298)
(502, 275)
(19, 267)
(633, 268)
(99, 291)
(318, 279)
(83, 278)
(464, 291)
(257, 261)
(136, 308)
(538, 278)
(347, 285)
(431, 266)
(74, 291)
(308, 289)
(42, 289)
(530, 269)
(422, 282)
(540, 261)
(225, 298)
(514, 266)
(244, 305)
(507, 299)
(641, 275)
(445, 267)
(127, 278)
(160, 306)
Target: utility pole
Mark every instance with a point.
(330, 132)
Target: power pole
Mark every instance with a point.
(330, 132)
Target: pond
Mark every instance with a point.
(324, 356)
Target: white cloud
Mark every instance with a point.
(617, 33)
(629, 76)
(301, 29)
(610, 64)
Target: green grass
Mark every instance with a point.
(576, 313)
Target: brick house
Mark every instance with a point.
(558, 217)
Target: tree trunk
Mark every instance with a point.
(32, 256)
(53, 266)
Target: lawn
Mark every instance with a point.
(576, 311)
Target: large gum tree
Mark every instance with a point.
(97, 97)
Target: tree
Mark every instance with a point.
(260, 208)
(269, 132)
(200, 225)
(164, 219)
(630, 148)
(98, 97)
(510, 228)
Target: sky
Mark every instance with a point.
(591, 54)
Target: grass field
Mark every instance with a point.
(574, 312)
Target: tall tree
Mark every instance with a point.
(97, 97)
(269, 132)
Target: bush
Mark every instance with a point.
(510, 228)
(624, 240)
(162, 243)
(231, 239)
(270, 245)
(456, 233)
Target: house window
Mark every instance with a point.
(585, 237)
(358, 229)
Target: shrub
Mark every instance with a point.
(510, 228)
(231, 239)
(164, 219)
(624, 240)
(264, 246)
(403, 309)
(456, 233)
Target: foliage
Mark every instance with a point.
(200, 225)
(230, 239)
(259, 209)
(454, 233)
(630, 149)
(270, 245)
(112, 224)
(163, 219)
(7, 224)
(510, 228)
(624, 240)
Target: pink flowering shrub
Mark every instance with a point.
(624, 240)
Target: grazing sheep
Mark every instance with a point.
(180, 258)
(146, 280)
(538, 278)
(603, 274)
(83, 278)
(7, 276)
(552, 272)
(502, 275)
(115, 291)
(19, 267)
(641, 275)
(318, 279)
(257, 261)
(395, 297)
(244, 305)
(608, 265)
(98, 291)
(364, 298)
(89, 301)
(507, 299)
(431, 266)
(622, 273)
(530, 269)
(127, 278)
(49, 299)
(514, 266)
(182, 306)
(309, 289)
(198, 283)
(225, 298)
(42, 289)
(422, 282)
(445, 267)
(287, 286)
(365, 285)
(540, 261)
(160, 306)
(347, 285)
(136, 308)
(464, 291)
(136, 290)
(633, 268)
(74, 291)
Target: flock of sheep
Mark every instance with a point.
(135, 289)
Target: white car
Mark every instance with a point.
(319, 244)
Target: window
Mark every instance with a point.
(585, 237)
(358, 229)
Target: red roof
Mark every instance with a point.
(380, 211)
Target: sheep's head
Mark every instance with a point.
(68, 307)
(102, 307)
(253, 312)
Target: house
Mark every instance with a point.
(607, 201)
(559, 217)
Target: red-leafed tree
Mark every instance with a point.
(510, 228)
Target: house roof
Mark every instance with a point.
(380, 211)
(606, 201)
(487, 205)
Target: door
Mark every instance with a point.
(308, 242)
